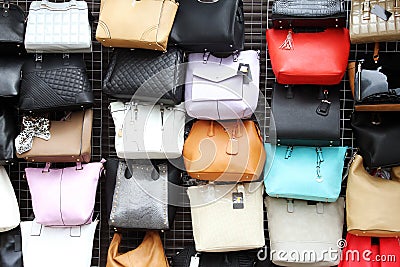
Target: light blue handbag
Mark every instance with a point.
(308, 173)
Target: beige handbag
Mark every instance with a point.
(366, 27)
(372, 202)
(144, 24)
(227, 217)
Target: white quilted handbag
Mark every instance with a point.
(305, 233)
(9, 209)
(57, 246)
(58, 27)
(227, 217)
(147, 131)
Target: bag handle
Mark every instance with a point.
(319, 206)
(79, 166)
(46, 3)
(376, 52)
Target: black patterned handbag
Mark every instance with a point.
(146, 75)
(8, 131)
(12, 29)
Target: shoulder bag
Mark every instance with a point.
(216, 26)
(58, 27)
(371, 202)
(224, 151)
(8, 131)
(302, 232)
(149, 27)
(144, 130)
(146, 75)
(309, 173)
(287, 50)
(10, 74)
(11, 248)
(306, 115)
(12, 28)
(222, 88)
(64, 246)
(227, 217)
(148, 254)
(64, 197)
(9, 205)
(68, 140)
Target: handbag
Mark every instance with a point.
(369, 199)
(146, 75)
(377, 136)
(213, 205)
(298, 227)
(55, 82)
(47, 140)
(152, 186)
(308, 173)
(327, 54)
(70, 246)
(305, 115)
(58, 27)
(10, 74)
(219, 26)
(9, 205)
(64, 197)
(222, 88)
(8, 131)
(12, 29)
(308, 13)
(224, 151)
(148, 254)
(144, 130)
(149, 29)
(11, 248)
(367, 27)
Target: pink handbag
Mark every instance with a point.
(64, 197)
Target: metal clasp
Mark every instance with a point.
(366, 9)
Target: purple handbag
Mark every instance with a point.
(64, 197)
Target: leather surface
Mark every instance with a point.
(146, 75)
(69, 31)
(371, 203)
(56, 84)
(12, 29)
(210, 203)
(374, 29)
(76, 131)
(295, 175)
(308, 8)
(10, 248)
(148, 254)
(326, 61)
(296, 119)
(224, 151)
(231, 95)
(377, 137)
(286, 21)
(69, 195)
(72, 246)
(326, 225)
(219, 26)
(8, 131)
(9, 205)
(10, 75)
(155, 17)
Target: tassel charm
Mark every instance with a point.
(288, 43)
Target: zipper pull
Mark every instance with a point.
(359, 79)
(324, 106)
(289, 151)
(320, 159)
(288, 43)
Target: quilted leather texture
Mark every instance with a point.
(308, 8)
(146, 75)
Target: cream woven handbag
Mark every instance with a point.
(9, 209)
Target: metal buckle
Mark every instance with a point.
(396, 9)
(38, 57)
(366, 9)
(6, 5)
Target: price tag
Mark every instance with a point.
(194, 261)
(238, 201)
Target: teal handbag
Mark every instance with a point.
(308, 173)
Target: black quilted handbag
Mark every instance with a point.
(54, 82)
(12, 29)
(8, 131)
(146, 75)
(11, 248)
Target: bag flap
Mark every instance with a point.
(215, 73)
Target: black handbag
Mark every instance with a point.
(10, 75)
(8, 132)
(209, 25)
(11, 248)
(55, 82)
(377, 137)
(12, 29)
(146, 75)
(306, 115)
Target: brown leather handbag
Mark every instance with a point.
(148, 254)
(70, 140)
(224, 151)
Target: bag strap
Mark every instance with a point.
(46, 3)
(36, 228)
(376, 52)
(46, 168)
(319, 206)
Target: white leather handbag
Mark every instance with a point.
(304, 233)
(147, 131)
(58, 27)
(9, 210)
(227, 217)
(57, 246)
(222, 88)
